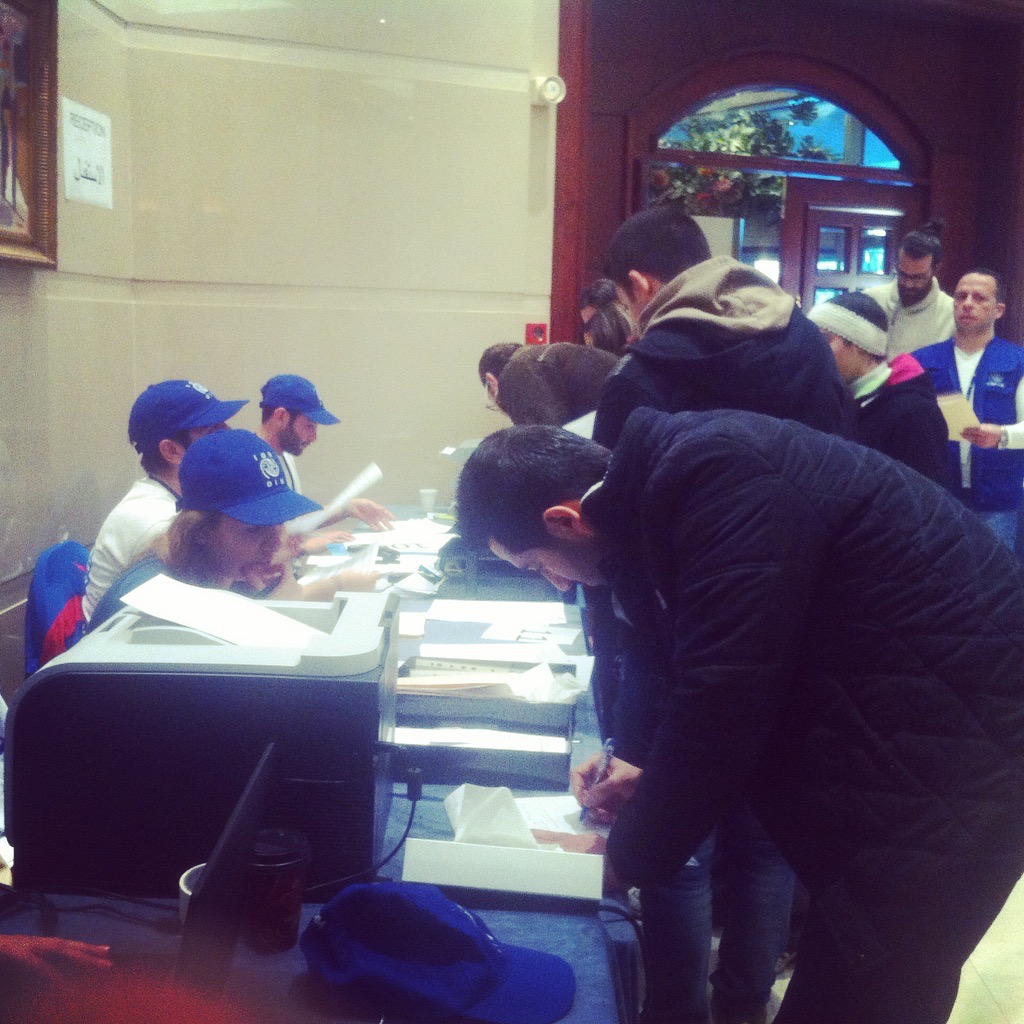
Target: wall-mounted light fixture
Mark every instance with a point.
(547, 91)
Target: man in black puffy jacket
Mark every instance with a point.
(845, 646)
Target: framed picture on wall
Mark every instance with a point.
(28, 131)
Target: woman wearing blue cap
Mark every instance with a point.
(229, 528)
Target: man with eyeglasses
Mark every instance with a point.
(919, 312)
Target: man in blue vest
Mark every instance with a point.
(987, 466)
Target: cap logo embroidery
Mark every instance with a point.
(269, 468)
(205, 392)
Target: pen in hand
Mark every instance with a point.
(601, 772)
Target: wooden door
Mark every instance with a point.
(840, 236)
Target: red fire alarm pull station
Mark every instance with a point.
(536, 334)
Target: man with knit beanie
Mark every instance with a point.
(898, 412)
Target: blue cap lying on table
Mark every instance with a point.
(405, 948)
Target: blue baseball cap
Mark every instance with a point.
(296, 394)
(406, 949)
(238, 473)
(163, 409)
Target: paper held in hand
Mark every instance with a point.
(958, 414)
(312, 520)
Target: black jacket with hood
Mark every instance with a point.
(844, 646)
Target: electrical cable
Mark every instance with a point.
(414, 791)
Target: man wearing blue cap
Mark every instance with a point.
(165, 419)
(292, 410)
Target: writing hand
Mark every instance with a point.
(604, 798)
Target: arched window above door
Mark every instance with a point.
(729, 157)
(779, 122)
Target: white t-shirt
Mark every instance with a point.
(291, 471)
(966, 368)
(134, 523)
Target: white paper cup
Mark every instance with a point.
(428, 499)
(186, 884)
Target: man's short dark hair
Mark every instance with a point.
(925, 241)
(662, 241)
(267, 411)
(599, 293)
(864, 306)
(153, 463)
(495, 358)
(996, 276)
(514, 475)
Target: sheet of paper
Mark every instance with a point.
(510, 632)
(415, 585)
(535, 684)
(411, 625)
(462, 682)
(485, 739)
(522, 613)
(564, 636)
(529, 653)
(559, 813)
(219, 613)
(313, 520)
(320, 567)
(958, 414)
(423, 536)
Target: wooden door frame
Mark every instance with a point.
(804, 194)
(569, 229)
(649, 119)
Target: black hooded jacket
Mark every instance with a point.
(844, 647)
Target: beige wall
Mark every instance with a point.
(297, 188)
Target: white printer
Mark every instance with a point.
(125, 755)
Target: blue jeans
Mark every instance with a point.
(758, 896)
